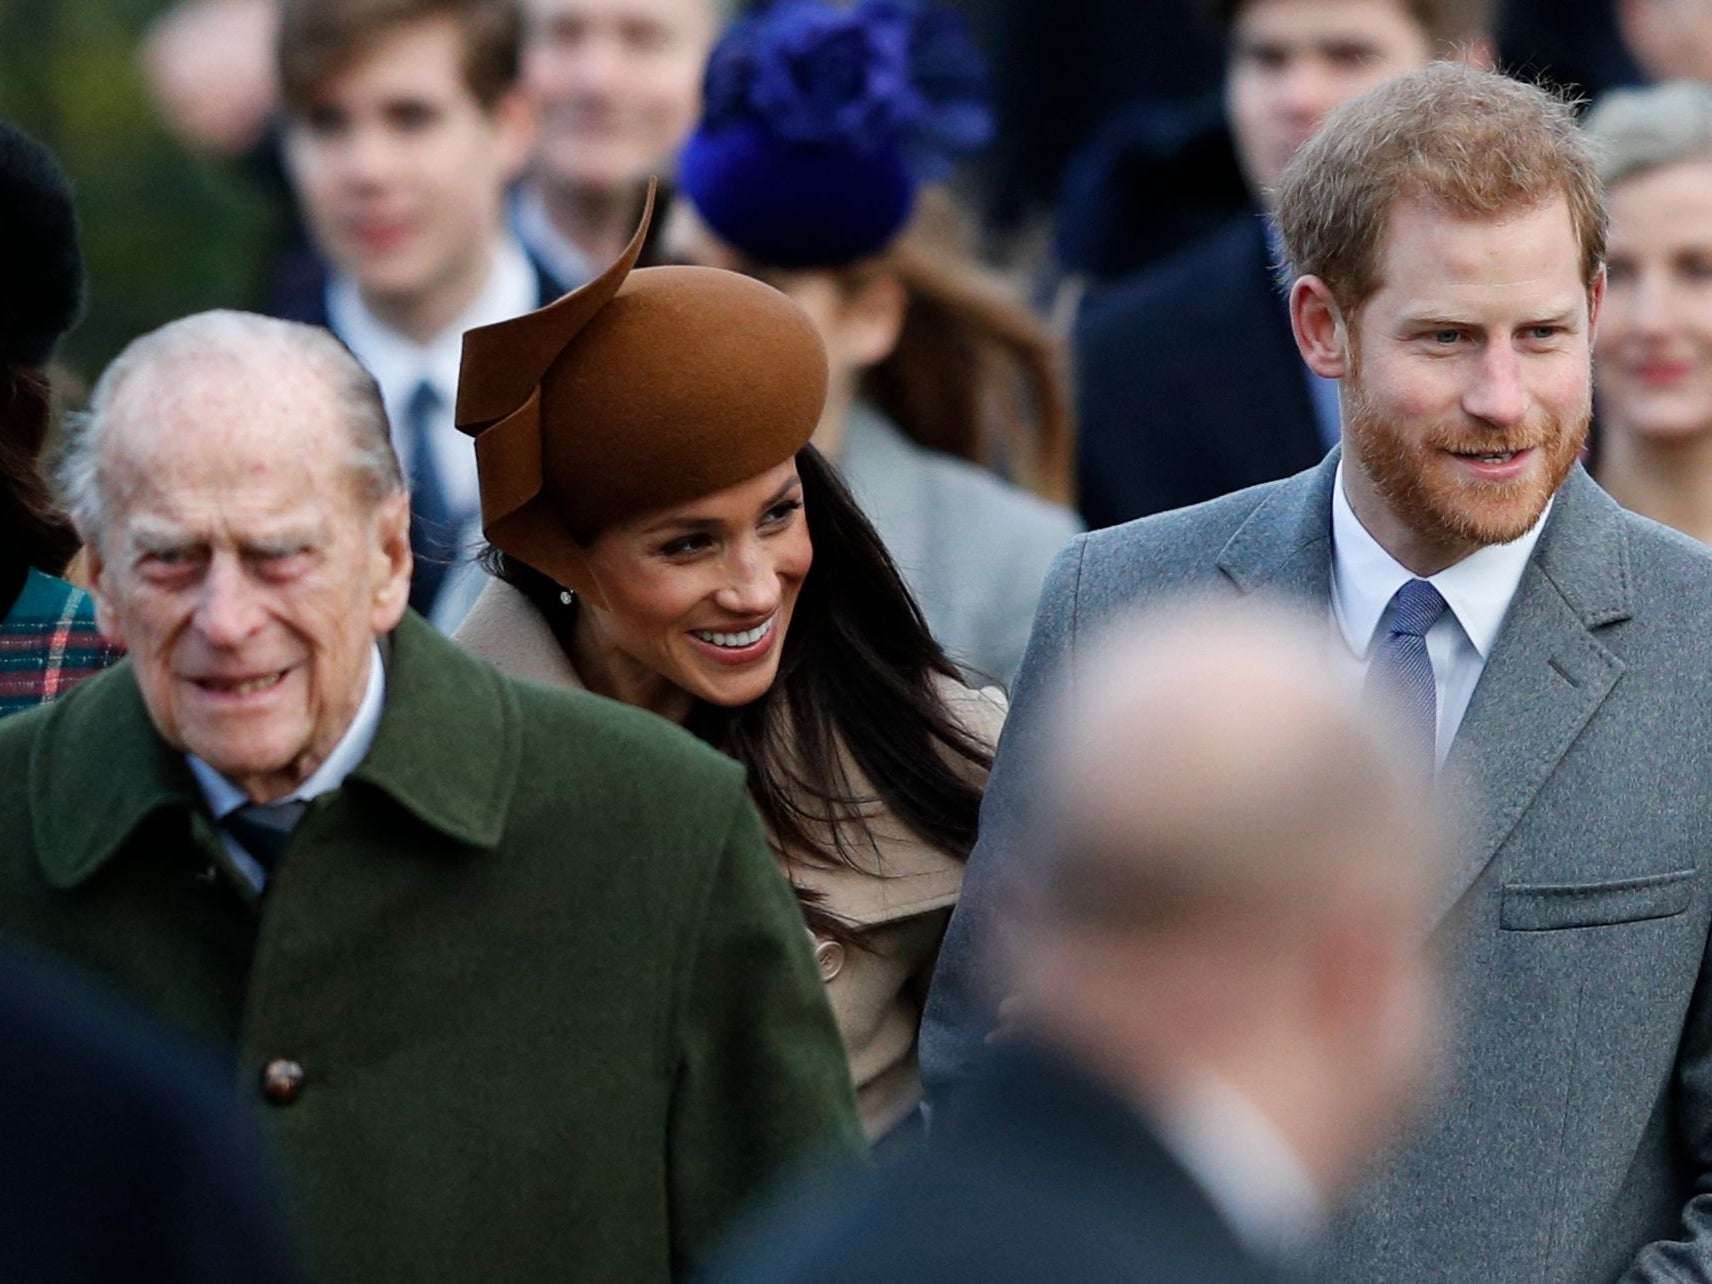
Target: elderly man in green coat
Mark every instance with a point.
(510, 972)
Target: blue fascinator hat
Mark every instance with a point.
(820, 121)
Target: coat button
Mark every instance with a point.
(829, 958)
(282, 1081)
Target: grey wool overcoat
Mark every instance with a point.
(550, 1005)
(1572, 1139)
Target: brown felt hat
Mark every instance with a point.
(637, 392)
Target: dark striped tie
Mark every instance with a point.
(433, 524)
(1402, 671)
(264, 829)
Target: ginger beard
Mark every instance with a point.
(1436, 498)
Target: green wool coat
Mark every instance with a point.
(553, 1002)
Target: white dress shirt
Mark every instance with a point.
(223, 797)
(1243, 1164)
(399, 364)
(1478, 590)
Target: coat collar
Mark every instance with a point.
(1285, 546)
(508, 631)
(447, 750)
(1548, 673)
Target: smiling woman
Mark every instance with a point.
(1653, 358)
(664, 535)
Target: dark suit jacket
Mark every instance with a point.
(1572, 1139)
(1189, 383)
(122, 1155)
(1042, 1175)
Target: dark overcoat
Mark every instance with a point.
(1189, 384)
(553, 1006)
(1040, 1174)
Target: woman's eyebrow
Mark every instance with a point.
(692, 522)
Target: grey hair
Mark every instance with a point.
(263, 351)
(1636, 130)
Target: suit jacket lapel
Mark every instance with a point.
(1285, 547)
(1546, 677)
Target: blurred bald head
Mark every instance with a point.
(1234, 864)
(1212, 766)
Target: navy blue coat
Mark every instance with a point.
(1040, 1174)
(122, 1155)
(1189, 383)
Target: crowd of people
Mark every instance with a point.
(659, 717)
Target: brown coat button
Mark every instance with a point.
(282, 1081)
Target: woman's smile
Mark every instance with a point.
(741, 646)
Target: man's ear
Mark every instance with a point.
(106, 617)
(392, 562)
(1322, 337)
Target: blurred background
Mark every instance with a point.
(168, 229)
(194, 216)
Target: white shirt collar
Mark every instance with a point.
(1478, 589)
(398, 362)
(224, 797)
(1245, 1167)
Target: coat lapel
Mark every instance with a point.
(1285, 547)
(87, 811)
(447, 749)
(1547, 676)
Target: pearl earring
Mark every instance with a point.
(566, 597)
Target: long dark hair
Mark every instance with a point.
(860, 675)
(33, 530)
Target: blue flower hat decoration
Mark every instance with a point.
(820, 121)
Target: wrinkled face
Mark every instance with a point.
(1470, 395)
(1654, 368)
(618, 85)
(401, 172)
(701, 595)
(241, 569)
(1292, 61)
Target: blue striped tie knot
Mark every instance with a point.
(1419, 607)
(1402, 671)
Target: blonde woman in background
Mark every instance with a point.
(1653, 357)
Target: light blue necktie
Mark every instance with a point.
(1402, 671)
(433, 524)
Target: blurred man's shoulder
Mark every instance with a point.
(1190, 283)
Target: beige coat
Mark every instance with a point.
(902, 896)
